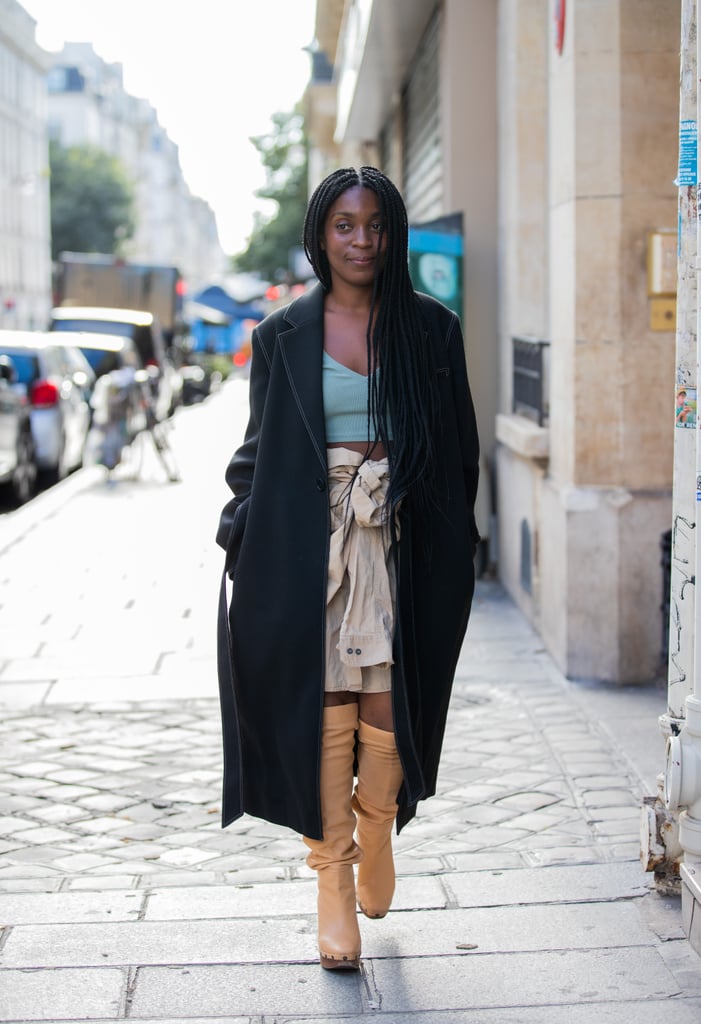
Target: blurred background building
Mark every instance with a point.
(76, 98)
(25, 233)
(87, 104)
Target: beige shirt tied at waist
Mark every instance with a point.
(361, 585)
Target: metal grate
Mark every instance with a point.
(666, 563)
(526, 557)
(529, 378)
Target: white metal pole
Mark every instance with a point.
(683, 553)
(661, 851)
(683, 772)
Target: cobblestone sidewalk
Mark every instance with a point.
(129, 792)
(520, 896)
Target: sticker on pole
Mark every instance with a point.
(688, 150)
(685, 408)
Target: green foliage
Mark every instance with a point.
(283, 153)
(92, 201)
(217, 364)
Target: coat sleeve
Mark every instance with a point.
(466, 421)
(239, 472)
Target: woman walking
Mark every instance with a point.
(350, 541)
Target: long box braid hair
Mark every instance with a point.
(404, 393)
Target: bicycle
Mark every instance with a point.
(158, 431)
(123, 414)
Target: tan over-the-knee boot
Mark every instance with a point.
(333, 857)
(375, 803)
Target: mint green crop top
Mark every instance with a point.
(345, 395)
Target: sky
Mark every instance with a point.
(215, 71)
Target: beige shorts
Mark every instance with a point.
(361, 587)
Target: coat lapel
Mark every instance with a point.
(301, 344)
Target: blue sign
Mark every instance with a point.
(688, 150)
(436, 259)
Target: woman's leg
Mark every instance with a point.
(333, 856)
(375, 802)
(376, 709)
(333, 699)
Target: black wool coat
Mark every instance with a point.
(275, 532)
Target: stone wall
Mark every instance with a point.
(609, 131)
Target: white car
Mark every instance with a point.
(57, 379)
(107, 354)
(145, 331)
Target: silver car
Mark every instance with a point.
(57, 380)
(17, 467)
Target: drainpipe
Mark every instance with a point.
(661, 851)
(683, 772)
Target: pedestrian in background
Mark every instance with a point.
(350, 542)
(113, 402)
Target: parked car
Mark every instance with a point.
(108, 352)
(57, 379)
(104, 352)
(144, 330)
(18, 469)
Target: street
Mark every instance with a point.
(520, 896)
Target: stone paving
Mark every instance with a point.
(131, 789)
(520, 896)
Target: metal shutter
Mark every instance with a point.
(423, 165)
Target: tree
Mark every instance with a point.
(283, 153)
(92, 201)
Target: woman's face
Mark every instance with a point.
(351, 238)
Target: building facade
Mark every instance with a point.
(588, 143)
(397, 98)
(25, 225)
(88, 105)
(561, 134)
(556, 141)
(77, 98)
